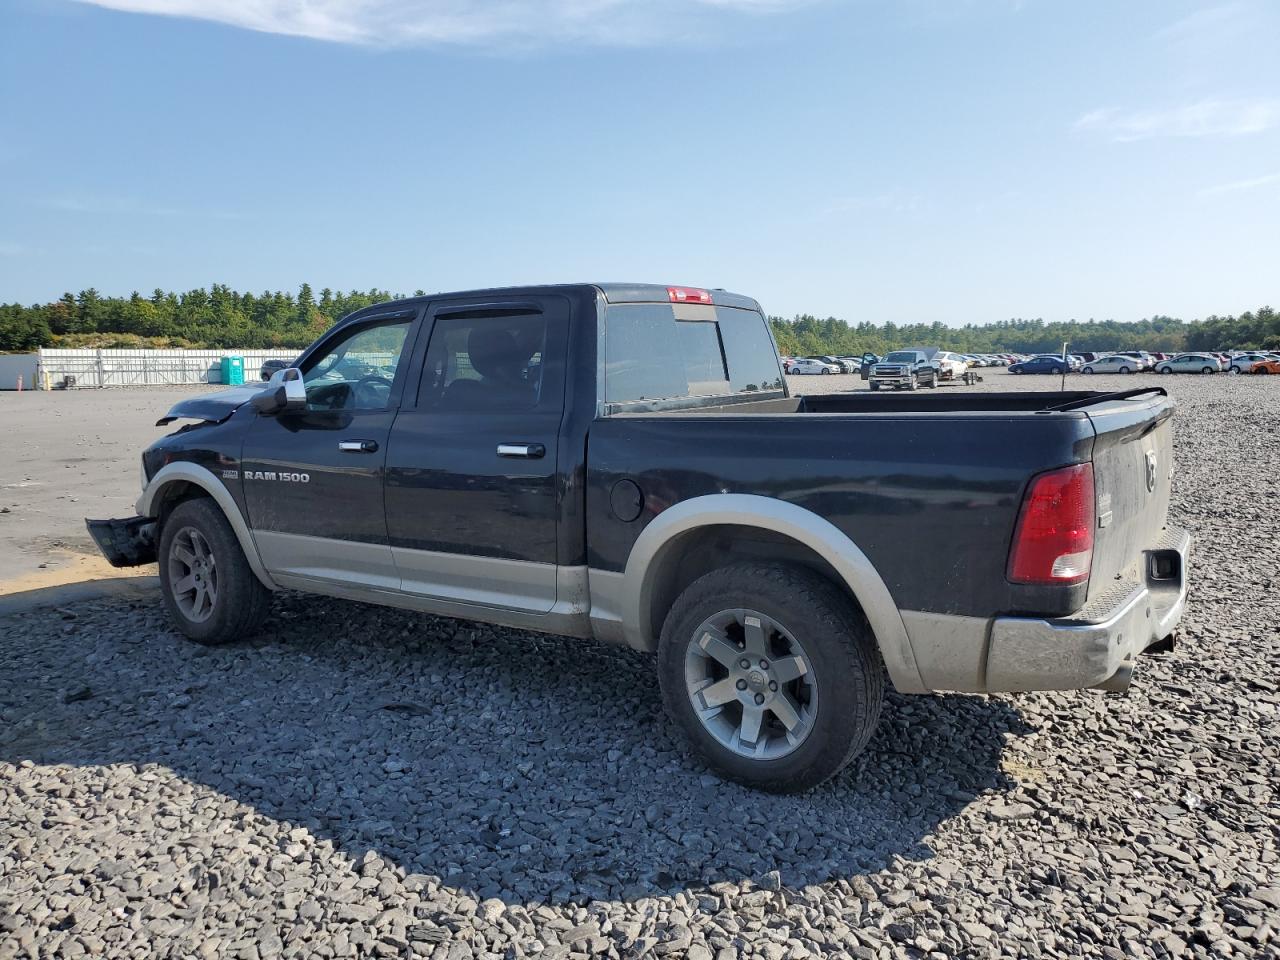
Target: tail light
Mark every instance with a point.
(688, 295)
(1053, 542)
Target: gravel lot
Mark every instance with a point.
(369, 782)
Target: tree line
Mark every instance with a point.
(221, 317)
(807, 335)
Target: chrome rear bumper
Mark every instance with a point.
(1098, 646)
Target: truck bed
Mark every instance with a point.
(864, 401)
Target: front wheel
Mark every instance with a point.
(208, 588)
(1087, 370)
(1262, 370)
(875, 386)
(825, 371)
(914, 384)
(1208, 370)
(771, 674)
(1234, 370)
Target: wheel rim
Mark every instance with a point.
(193, 575)
(763, 710)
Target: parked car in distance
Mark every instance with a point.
(271, 366)
(1116, 363)
(1039, 365)
(904, 370)
(1189, 363)
(1266, 367)
(804, 366)
(1146, 360)
(844, 366)
(1243, 363)
(950, 366)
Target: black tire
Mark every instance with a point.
(1124, 370)
(1208, 370)
(1087, 370)
(875, 386)
(826, 372)
(933, 383)
(241, 602)
(847, 671)
(1262, 370)
(915, 383)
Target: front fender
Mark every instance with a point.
(152, 498)
(766, 513)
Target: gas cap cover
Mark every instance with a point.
(626, 500)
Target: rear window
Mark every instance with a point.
(651, 355)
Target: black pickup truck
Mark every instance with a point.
(625, 462)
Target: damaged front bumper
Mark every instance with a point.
(125, 543)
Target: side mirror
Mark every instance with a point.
(285, 393)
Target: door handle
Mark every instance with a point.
(527, 451)
(358, 446)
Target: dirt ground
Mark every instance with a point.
(69, 455)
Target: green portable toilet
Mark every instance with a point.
(233, 370)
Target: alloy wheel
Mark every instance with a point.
(193, 574)
(751, 684)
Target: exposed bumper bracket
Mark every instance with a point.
(129, 542)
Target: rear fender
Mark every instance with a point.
(654, 548)
(154, 495)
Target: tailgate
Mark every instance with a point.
(1132, 473)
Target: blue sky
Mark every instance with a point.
(917, 160)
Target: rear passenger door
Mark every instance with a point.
(471, 472)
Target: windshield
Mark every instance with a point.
(901, 356)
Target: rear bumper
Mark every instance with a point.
(1099, 645)
(125, 543)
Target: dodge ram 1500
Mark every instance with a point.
(625, 462)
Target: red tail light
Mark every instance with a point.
(688, 295)
(1053, 543)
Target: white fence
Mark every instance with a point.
(137, 368)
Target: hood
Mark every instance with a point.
(212, 407)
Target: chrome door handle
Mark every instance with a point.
(527, 451)
(358, 446)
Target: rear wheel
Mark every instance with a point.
(1087, 370)
(825, 371)
(1125, 370)
(1208, 370)
(208, 588)
(875, 386)
(1234, 369)
(771, 674)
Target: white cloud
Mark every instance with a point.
(419, 22)
(1236, 186)
(1205, 118)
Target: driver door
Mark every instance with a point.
(313, 481)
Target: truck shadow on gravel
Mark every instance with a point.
(511, 765)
